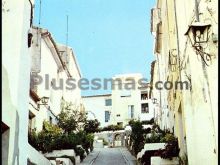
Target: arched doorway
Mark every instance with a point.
(118, 140)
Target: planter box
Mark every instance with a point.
(77, 159)
(66, 161)
(150, 147)
(58, 155)
(156, 160)
(36, 157)
(154, 146)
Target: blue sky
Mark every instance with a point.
(108, 37)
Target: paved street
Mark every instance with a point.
(109, 156)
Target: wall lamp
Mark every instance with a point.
(198, 33)
(44, 101)
(154, 100)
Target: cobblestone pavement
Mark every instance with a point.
(109, 156)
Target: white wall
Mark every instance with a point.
(37, 157)
(200, 110)
(147, 116)
(95, 106)
(16, 62)
(52, 71)
(73, 95)
(120, 104)
(192, 113)
(49, 67)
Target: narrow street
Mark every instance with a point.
(110, 82)
(109, 156)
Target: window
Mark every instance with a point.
(107, 116)
(144, 108)
(108, 102)
(131, 111)
(118, 115)
(144, 96)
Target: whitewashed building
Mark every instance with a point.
(130, 101)
(186, 47)
(123, 104)
(52, 66)
(98, 107)
(28, 50)
(17, 17)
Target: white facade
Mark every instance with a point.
(98, 107)
(62, 66)
(148, 113)
(125, 104)
(192, 113)
(21, 109)
(16, 16)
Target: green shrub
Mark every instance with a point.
(104, 141)
(47, 140)
(111, 128)
(151, 121)
(91, 126)
(137, 136)
(80, 152)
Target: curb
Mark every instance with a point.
(93, 160)
(128, 161)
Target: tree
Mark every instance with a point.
(137, 136)
(91, 126)
(71, 118)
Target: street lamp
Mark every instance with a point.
(198, 33)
